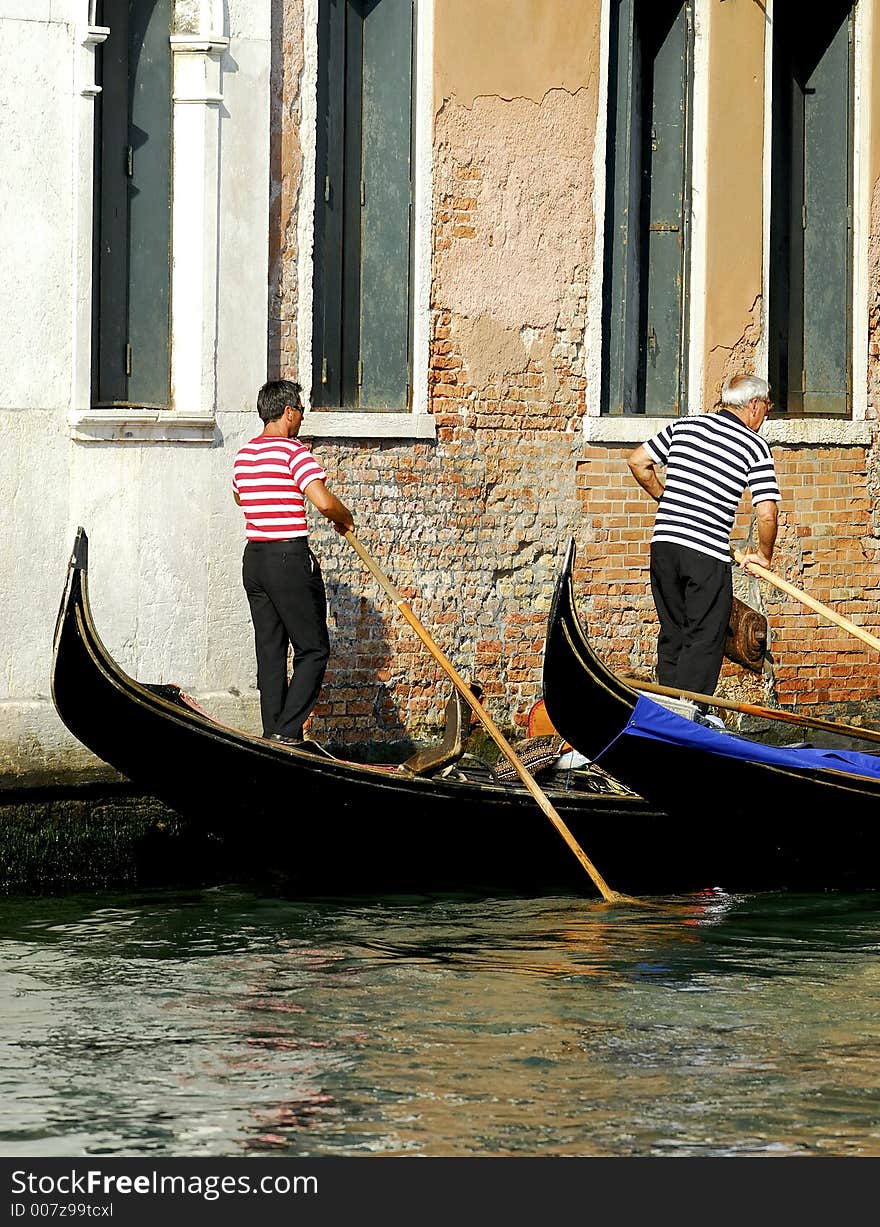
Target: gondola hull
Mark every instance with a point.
(328, 825)
(739, 824)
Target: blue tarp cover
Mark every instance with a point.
(658, 723)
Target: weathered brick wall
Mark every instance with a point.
(612, 563)
(472, 528)
(470, 531)
(826, 547)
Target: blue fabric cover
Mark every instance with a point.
(658, 723)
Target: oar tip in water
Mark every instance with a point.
(614, 896)
(610, 896)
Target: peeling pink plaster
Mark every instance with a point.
(514, 233)
(532, 220)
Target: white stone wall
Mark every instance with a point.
(152, 490)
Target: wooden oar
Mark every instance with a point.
(610, 896)
(838, 619)
(751, 709)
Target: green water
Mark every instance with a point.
(220, 1022)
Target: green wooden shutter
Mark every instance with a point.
(662, 354)
(647, 203)
(110, 328)
(811, 210)
(361, 349)
(827, 232)
(620, 333)
(149, 281)
(329, 204)
(133, 228)
(386, 205)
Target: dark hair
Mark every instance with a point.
(274, 397)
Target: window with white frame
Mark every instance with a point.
(131, 288)
(811, 201)
(147, 151)
(364, 205)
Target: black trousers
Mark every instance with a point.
(285, 590)
(693, 595)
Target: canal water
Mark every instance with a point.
(222, 1022)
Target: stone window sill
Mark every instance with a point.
(142, 426)
(326, 424)
(170, 426)
(799, 432)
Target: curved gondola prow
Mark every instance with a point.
(76, 569)
(574, 679)
(74, 595)
(79, 654)
(75, 600)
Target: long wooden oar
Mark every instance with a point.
(610, 896)
(838, 619)
(751, 709)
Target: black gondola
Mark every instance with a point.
(329, 824)
(803, 817)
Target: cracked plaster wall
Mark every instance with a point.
(514, 230)
(516, 96)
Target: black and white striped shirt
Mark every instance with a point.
(710, 460)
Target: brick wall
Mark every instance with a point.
(472, 528)
(826, 547)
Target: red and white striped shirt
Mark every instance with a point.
(269, 475)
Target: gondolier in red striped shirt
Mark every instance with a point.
(710, 460)
(272, 476)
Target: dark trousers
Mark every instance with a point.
(285, 590)
(693, 594)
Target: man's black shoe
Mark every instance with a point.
(302, 743)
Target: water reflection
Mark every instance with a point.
(224, 1023)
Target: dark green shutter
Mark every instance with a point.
(363, 204)
(662, 353)
(385, 216)
(329, 204)
(621, 297)
(648, 197)
(811, 217)
(827, 237)
(133, 231)
(110, 333)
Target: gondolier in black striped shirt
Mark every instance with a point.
(710, 460)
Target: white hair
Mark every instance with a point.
(740, 389)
